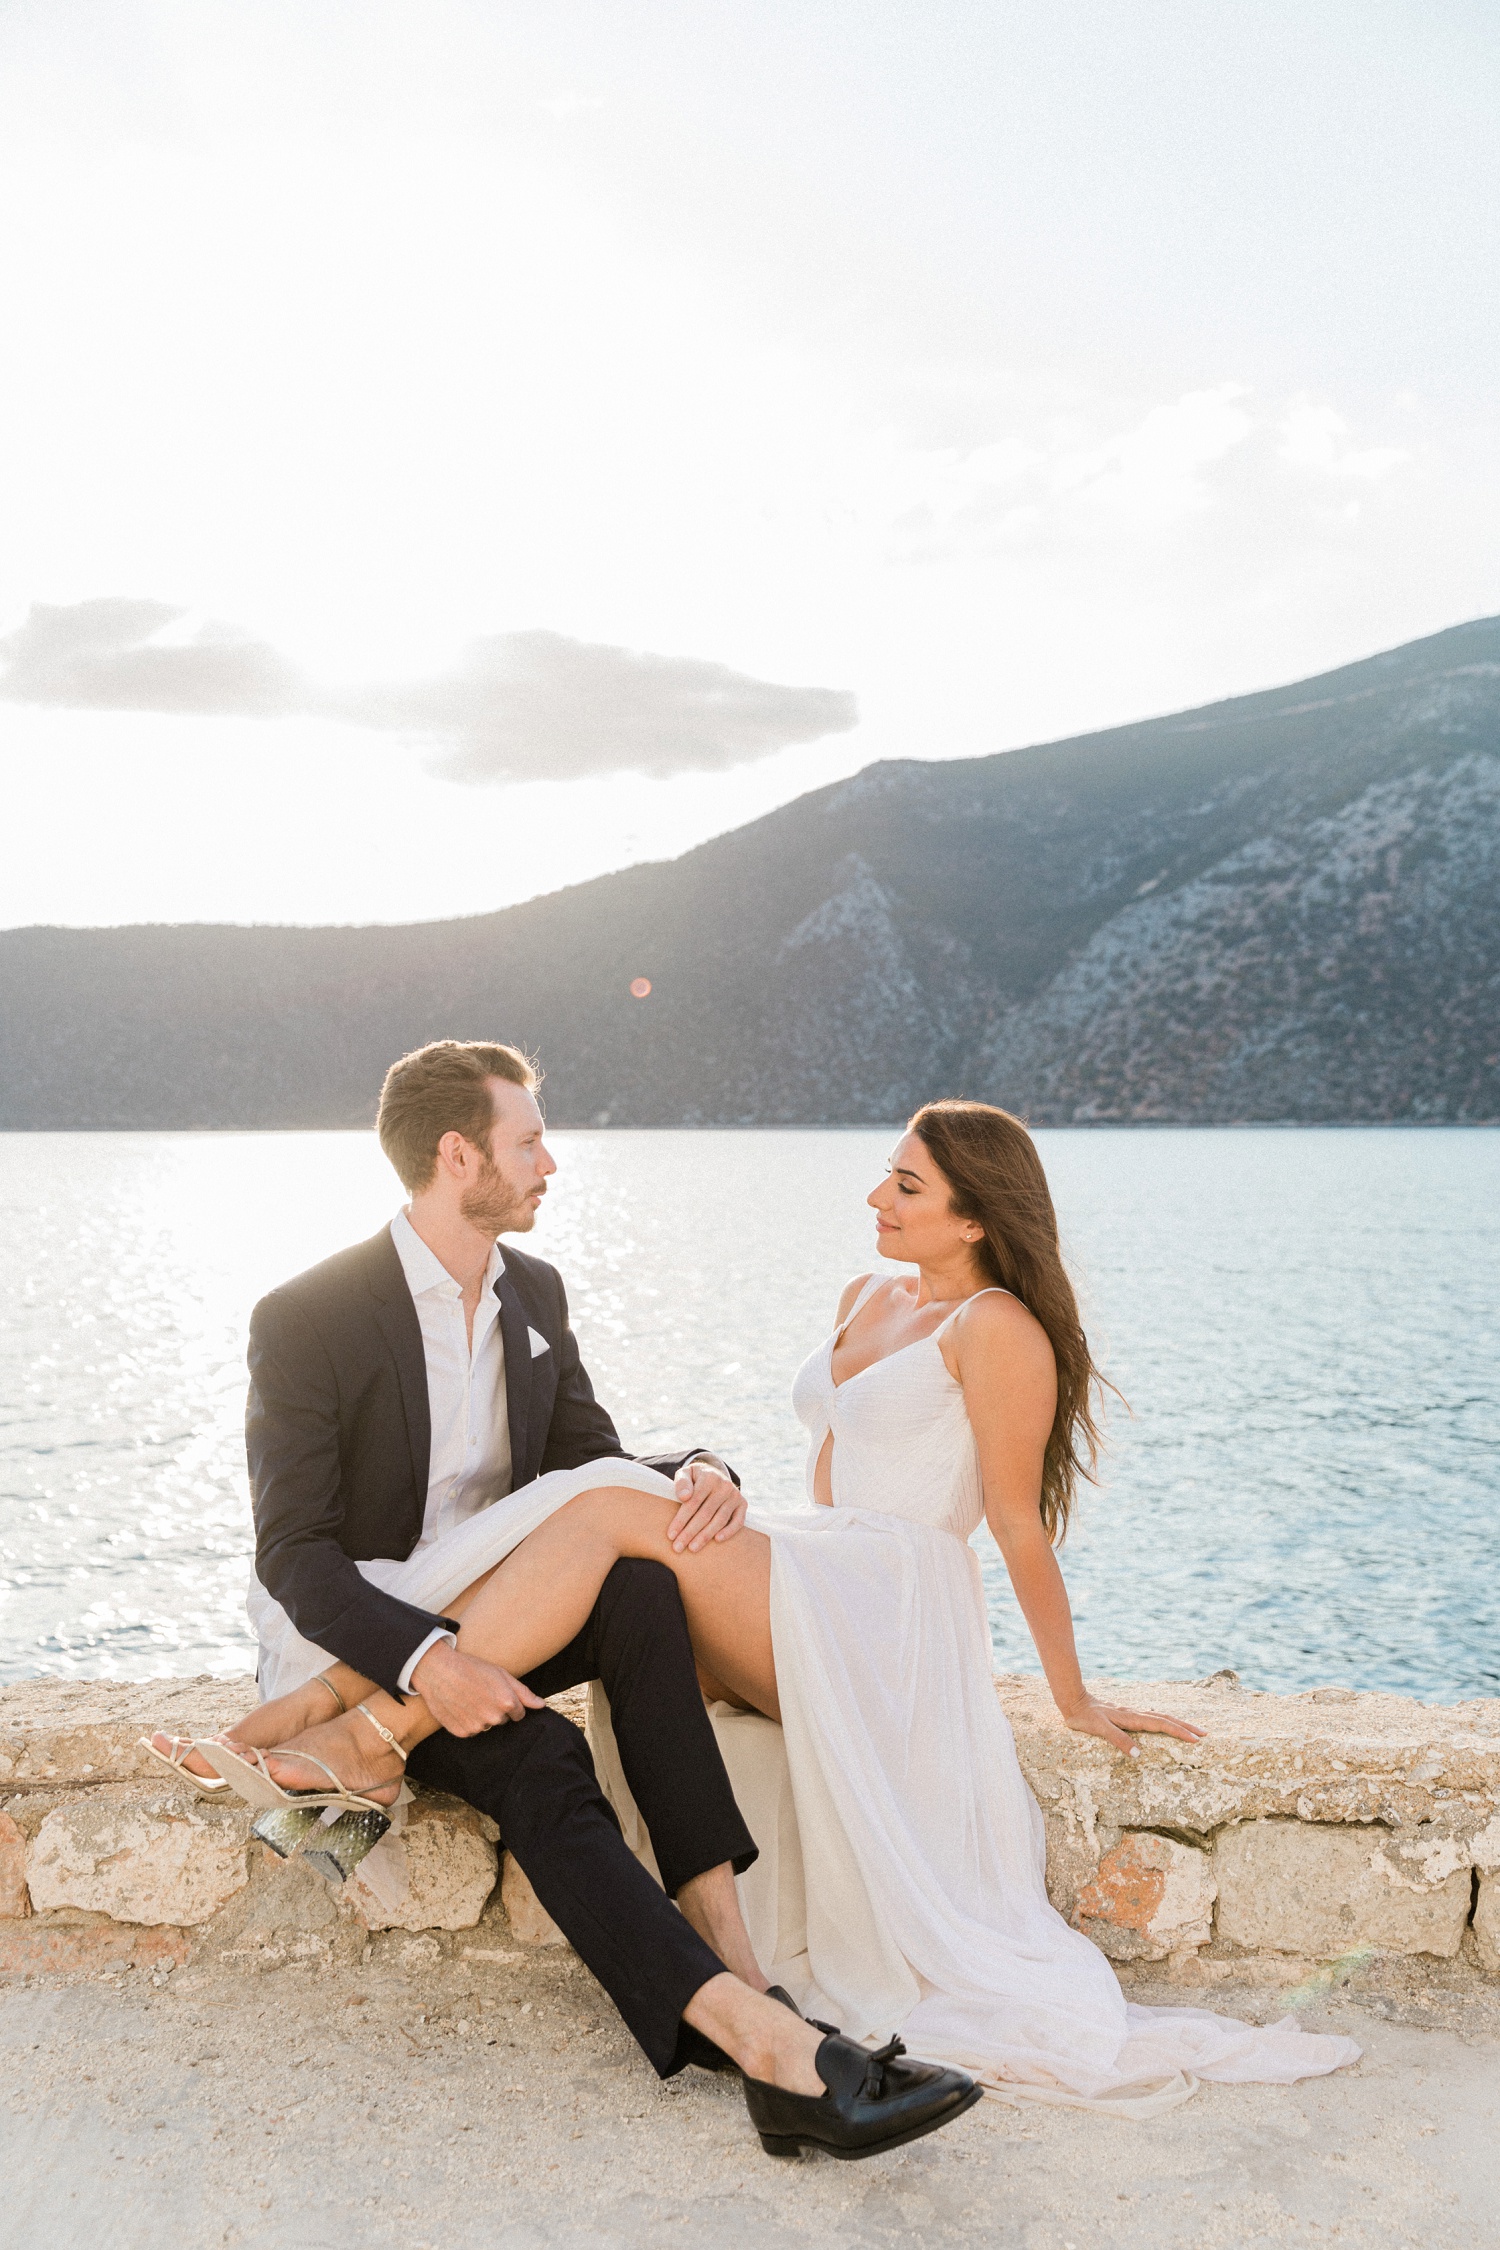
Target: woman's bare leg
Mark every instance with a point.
(282, 1716)
(538, 1599)
(541, 1595)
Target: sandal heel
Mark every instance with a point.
(344, 1843)
(286, 1828)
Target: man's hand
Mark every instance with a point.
(466, 1695)
(711, 1506)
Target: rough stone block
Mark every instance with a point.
(451, 1866)
(1072, 1857)
(286, 1914)
(1487, 1925)
(13, 1895)
(1291, 1887)
(34, 1948)
(1361, 1757)
(1150, 1897)
(86, 1733)
(158, 1860)
(1485, 1848)
(528, 1918)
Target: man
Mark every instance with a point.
(397, 1389)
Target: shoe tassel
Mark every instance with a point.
(874, 2085)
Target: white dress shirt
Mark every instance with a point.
(470, 1462)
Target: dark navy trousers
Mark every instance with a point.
(536, 1780)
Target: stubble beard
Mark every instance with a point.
(493, 1207)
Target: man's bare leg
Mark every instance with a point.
(764, 2038)
(711, 1903)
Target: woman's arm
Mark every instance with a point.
(1000, 1354)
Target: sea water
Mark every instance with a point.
(1306, 1325)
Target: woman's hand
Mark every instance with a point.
(710, 1506)
(1115, 1725)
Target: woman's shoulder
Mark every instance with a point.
(875, 1288)
(851, 1294)
(998, 1321)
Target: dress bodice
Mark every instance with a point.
(903, 1444)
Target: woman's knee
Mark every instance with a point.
(620, 1517)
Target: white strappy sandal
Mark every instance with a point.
(182, 1744)
(250, 1777)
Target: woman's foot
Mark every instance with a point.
(178, 1751)
(348, 1748)
(264, 1727)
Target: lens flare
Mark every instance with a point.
(639, 987)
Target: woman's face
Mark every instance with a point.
(915, 1221)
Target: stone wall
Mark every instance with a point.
(1306, 1831)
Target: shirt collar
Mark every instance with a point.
(424, 1270)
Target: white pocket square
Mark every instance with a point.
(539, 1344)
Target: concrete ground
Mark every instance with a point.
(496, 2104)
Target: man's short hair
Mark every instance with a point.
(443, 1088)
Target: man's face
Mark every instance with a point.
(513, 1169)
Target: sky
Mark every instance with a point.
(450, 449)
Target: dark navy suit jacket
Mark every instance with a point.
(339, 1436)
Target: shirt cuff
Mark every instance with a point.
(403, 1678)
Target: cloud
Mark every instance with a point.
(514, 707)
(1097, 477)
(118, 655)
(520, 704)
(1317, 437)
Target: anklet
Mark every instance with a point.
(323, 1681)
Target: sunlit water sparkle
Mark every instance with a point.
(1306, 1325)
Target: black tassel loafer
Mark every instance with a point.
(874, 2102)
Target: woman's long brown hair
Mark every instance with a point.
(991, 1165)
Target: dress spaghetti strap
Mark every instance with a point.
(994, 1290)
(873, 1282)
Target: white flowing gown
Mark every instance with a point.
(902, 1879)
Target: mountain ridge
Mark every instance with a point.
(1281, 905)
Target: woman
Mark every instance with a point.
(901, 1884)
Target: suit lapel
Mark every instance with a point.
(396, 1317)
(515, 1334)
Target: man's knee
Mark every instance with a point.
(649, 1588)
(489, 1766)
(544, 1740)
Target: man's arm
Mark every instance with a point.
(292, 1443)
